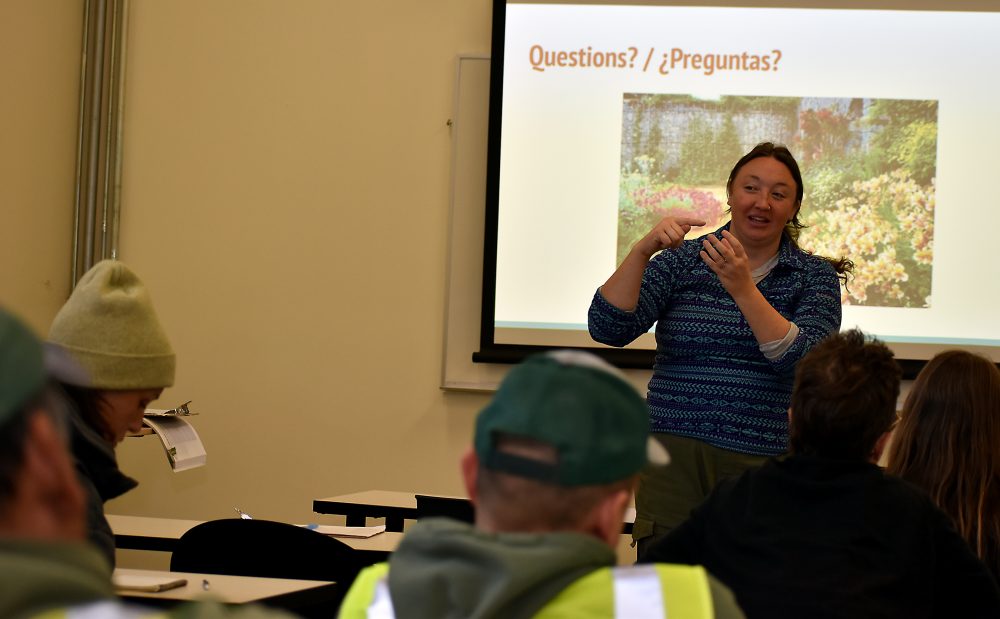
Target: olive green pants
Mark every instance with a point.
(666, 495)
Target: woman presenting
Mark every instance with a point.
(734, 311)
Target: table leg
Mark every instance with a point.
(355, 520)
(394, 523)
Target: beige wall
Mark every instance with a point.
(285, 197)
(40, 75)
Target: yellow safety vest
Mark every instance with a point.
(632, 592)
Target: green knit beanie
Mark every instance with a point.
(109, 327)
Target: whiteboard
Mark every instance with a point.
(466, 221)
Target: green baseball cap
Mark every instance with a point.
(580, 405)
(22, 366)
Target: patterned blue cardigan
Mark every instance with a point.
(710, 379)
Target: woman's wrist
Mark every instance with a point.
(642, 251)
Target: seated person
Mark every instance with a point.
(555, 460)
(46, 566)
(948, 443)
(110, 330)
(823, 532)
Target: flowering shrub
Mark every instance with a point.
(828, 182)
(885, 224)
(822, 133)
(643, 202)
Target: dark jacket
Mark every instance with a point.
(811, 537)
(97, 469)
(36, 576)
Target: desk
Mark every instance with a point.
(279, 592)
(143, 533)
(394, 506)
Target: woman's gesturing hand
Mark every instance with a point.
(728, 260)
(622, 288)
(668, 234)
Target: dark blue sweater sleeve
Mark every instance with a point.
(817, 315)
(617, 327)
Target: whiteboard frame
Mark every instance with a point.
(466, 226)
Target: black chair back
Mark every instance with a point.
(266, 549)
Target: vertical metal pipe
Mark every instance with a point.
(77, 193)
(97, 200)
(109, 125)
(93, 140)
(119, 122)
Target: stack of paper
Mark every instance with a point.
(180, 440)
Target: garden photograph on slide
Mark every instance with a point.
(868, 168)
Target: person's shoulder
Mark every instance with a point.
(359, 597)
(897, 486)
(790, 253)
(809, 268)
(906, 496)
(821, 267)
(695, 580)
(724, 602)
(814, 262)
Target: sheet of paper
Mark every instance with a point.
(180, 440)
(342, 531)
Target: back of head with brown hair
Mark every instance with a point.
(516, 503)
(844, 397)
(948, 443)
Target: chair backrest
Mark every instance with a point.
(268, 549)
(450, 507)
